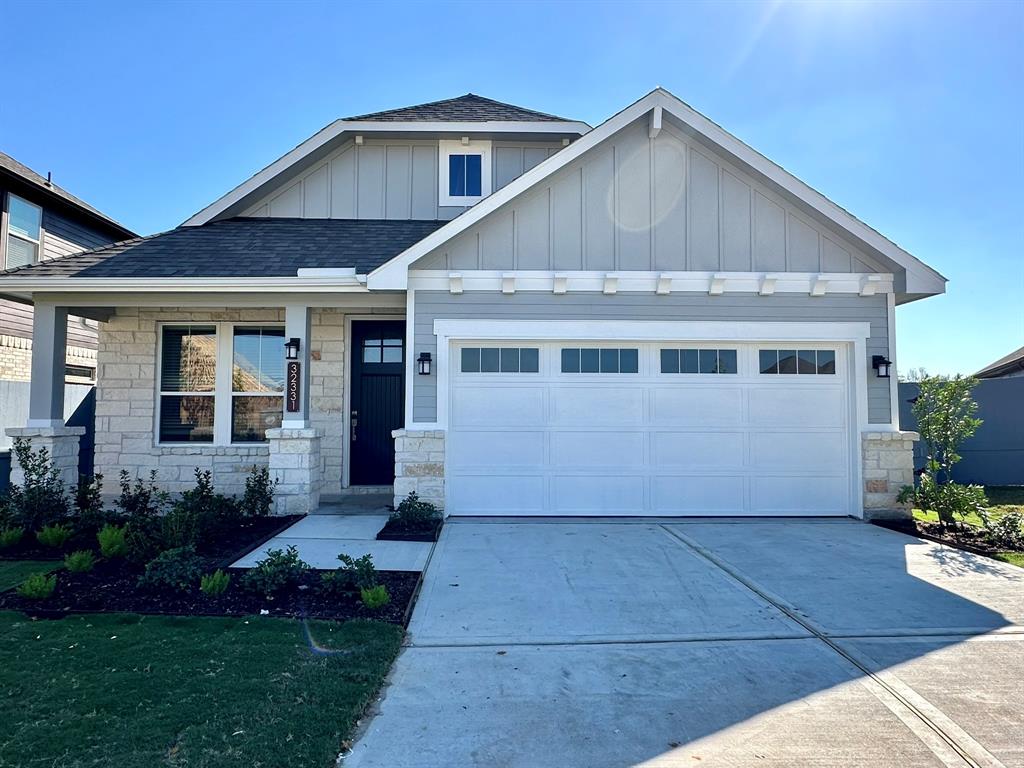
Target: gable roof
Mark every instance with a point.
(11, 167)
(921, 280)
(469, 108)
(242, 247)
(1004, 365)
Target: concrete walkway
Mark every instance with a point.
(726, 643)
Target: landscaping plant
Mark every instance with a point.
(10, 537)
(112, 541)
(142, 504)
(414, 514)
(1006, 531)
(214, 584)
(90, 514)
(41, 499)
(80, 561)
(276, 572)
(945, 413)
(375, 597)
(38, 586)
(259, 492)
(177, 570)
(54, 536)
(361, 571)
(202, 514)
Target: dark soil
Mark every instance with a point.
(967, 538)
(225, 549)
(111, 587)
(397, 531)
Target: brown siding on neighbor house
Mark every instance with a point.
(16, 320)
(62, 236)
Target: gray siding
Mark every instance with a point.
(636, 203)
(386, 180)
(433, 305)
(62, 236)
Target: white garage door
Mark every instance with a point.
(571, 428)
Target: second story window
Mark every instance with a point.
(24, 231)
(464, 172)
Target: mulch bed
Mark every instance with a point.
(395, 531)
(228, 547)
(111, 587)
(968, 538)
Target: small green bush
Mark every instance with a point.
(38, 586)
(338, 582)
(177, 570)
(361, 570)
(216, 583)
(375, 597)
(259, 493)
(276, 572)
(9, 537)
(54, 536)
(179, 527)
(201, 515)
(80, 561)
(141, 498)
(1007, 531)
(413, 514)
(41, 499)
(112, 541)
(90, 514)
(950, 501)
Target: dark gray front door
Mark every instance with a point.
(378, 399)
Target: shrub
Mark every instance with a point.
(338, 582)
(361, 570)
(414, 514)
(143, 539)
(177, 570)
(947, 500)
(90, 514)
(375, 597)
(201, 515)
(42, 499)
(112, 541)
(216, 583)
(259, 492)
(10, 537)
(179, 527)
(276, 572)
(141, 499)
(54, 536)
(38, 586)
(80, 561)
(1007, 531)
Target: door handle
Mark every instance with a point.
(354, 422)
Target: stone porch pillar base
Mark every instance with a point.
(60, 442)
(419, 464)
(295, 464)
(888, 465)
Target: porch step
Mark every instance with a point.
(356, 504)
(362, 490)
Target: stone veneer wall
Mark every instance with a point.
(419, 464)
(126, 400)
(888, 465)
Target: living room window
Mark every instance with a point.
(220, 383)
(24, 232)
(465, 172)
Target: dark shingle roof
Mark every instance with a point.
(243, 247)
(468, 108)
(1003, 366)
(23, 172)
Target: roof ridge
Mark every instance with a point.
(454, 100)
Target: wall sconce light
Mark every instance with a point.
(291, 349)
(423, 363)
(882, 366)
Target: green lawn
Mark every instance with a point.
(130, 691)
(13, 572)
(1004, 499)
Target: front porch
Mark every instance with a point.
(186, 383)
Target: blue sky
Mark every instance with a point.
(908, 114)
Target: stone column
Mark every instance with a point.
(62, 444)
(295, 463)
(888, 465)
(419, 464)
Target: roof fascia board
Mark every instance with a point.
(64, 284)
(340, 127)
(920, 278)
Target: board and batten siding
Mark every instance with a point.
(386, 180)
(637, 203)
(433, 305)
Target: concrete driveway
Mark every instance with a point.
(725, 643)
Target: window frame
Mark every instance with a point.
(449, 147)
(618, 347)
(5, 230)
(519, 346)
(223, 389)
(716, 347)
(797, 348)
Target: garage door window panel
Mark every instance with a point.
(797, 361)
(500, 360)
(600, 360)
(699, 361)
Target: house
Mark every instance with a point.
(507, 312)
(1007, 367)
(39, 221)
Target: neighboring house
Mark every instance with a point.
(1005, 367)
(644, 318)
(39, 222)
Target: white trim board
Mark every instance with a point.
(921, 279)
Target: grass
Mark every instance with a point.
(1004, 499)
(13, 572)
(135, 692)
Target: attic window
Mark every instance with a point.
(465, 172)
